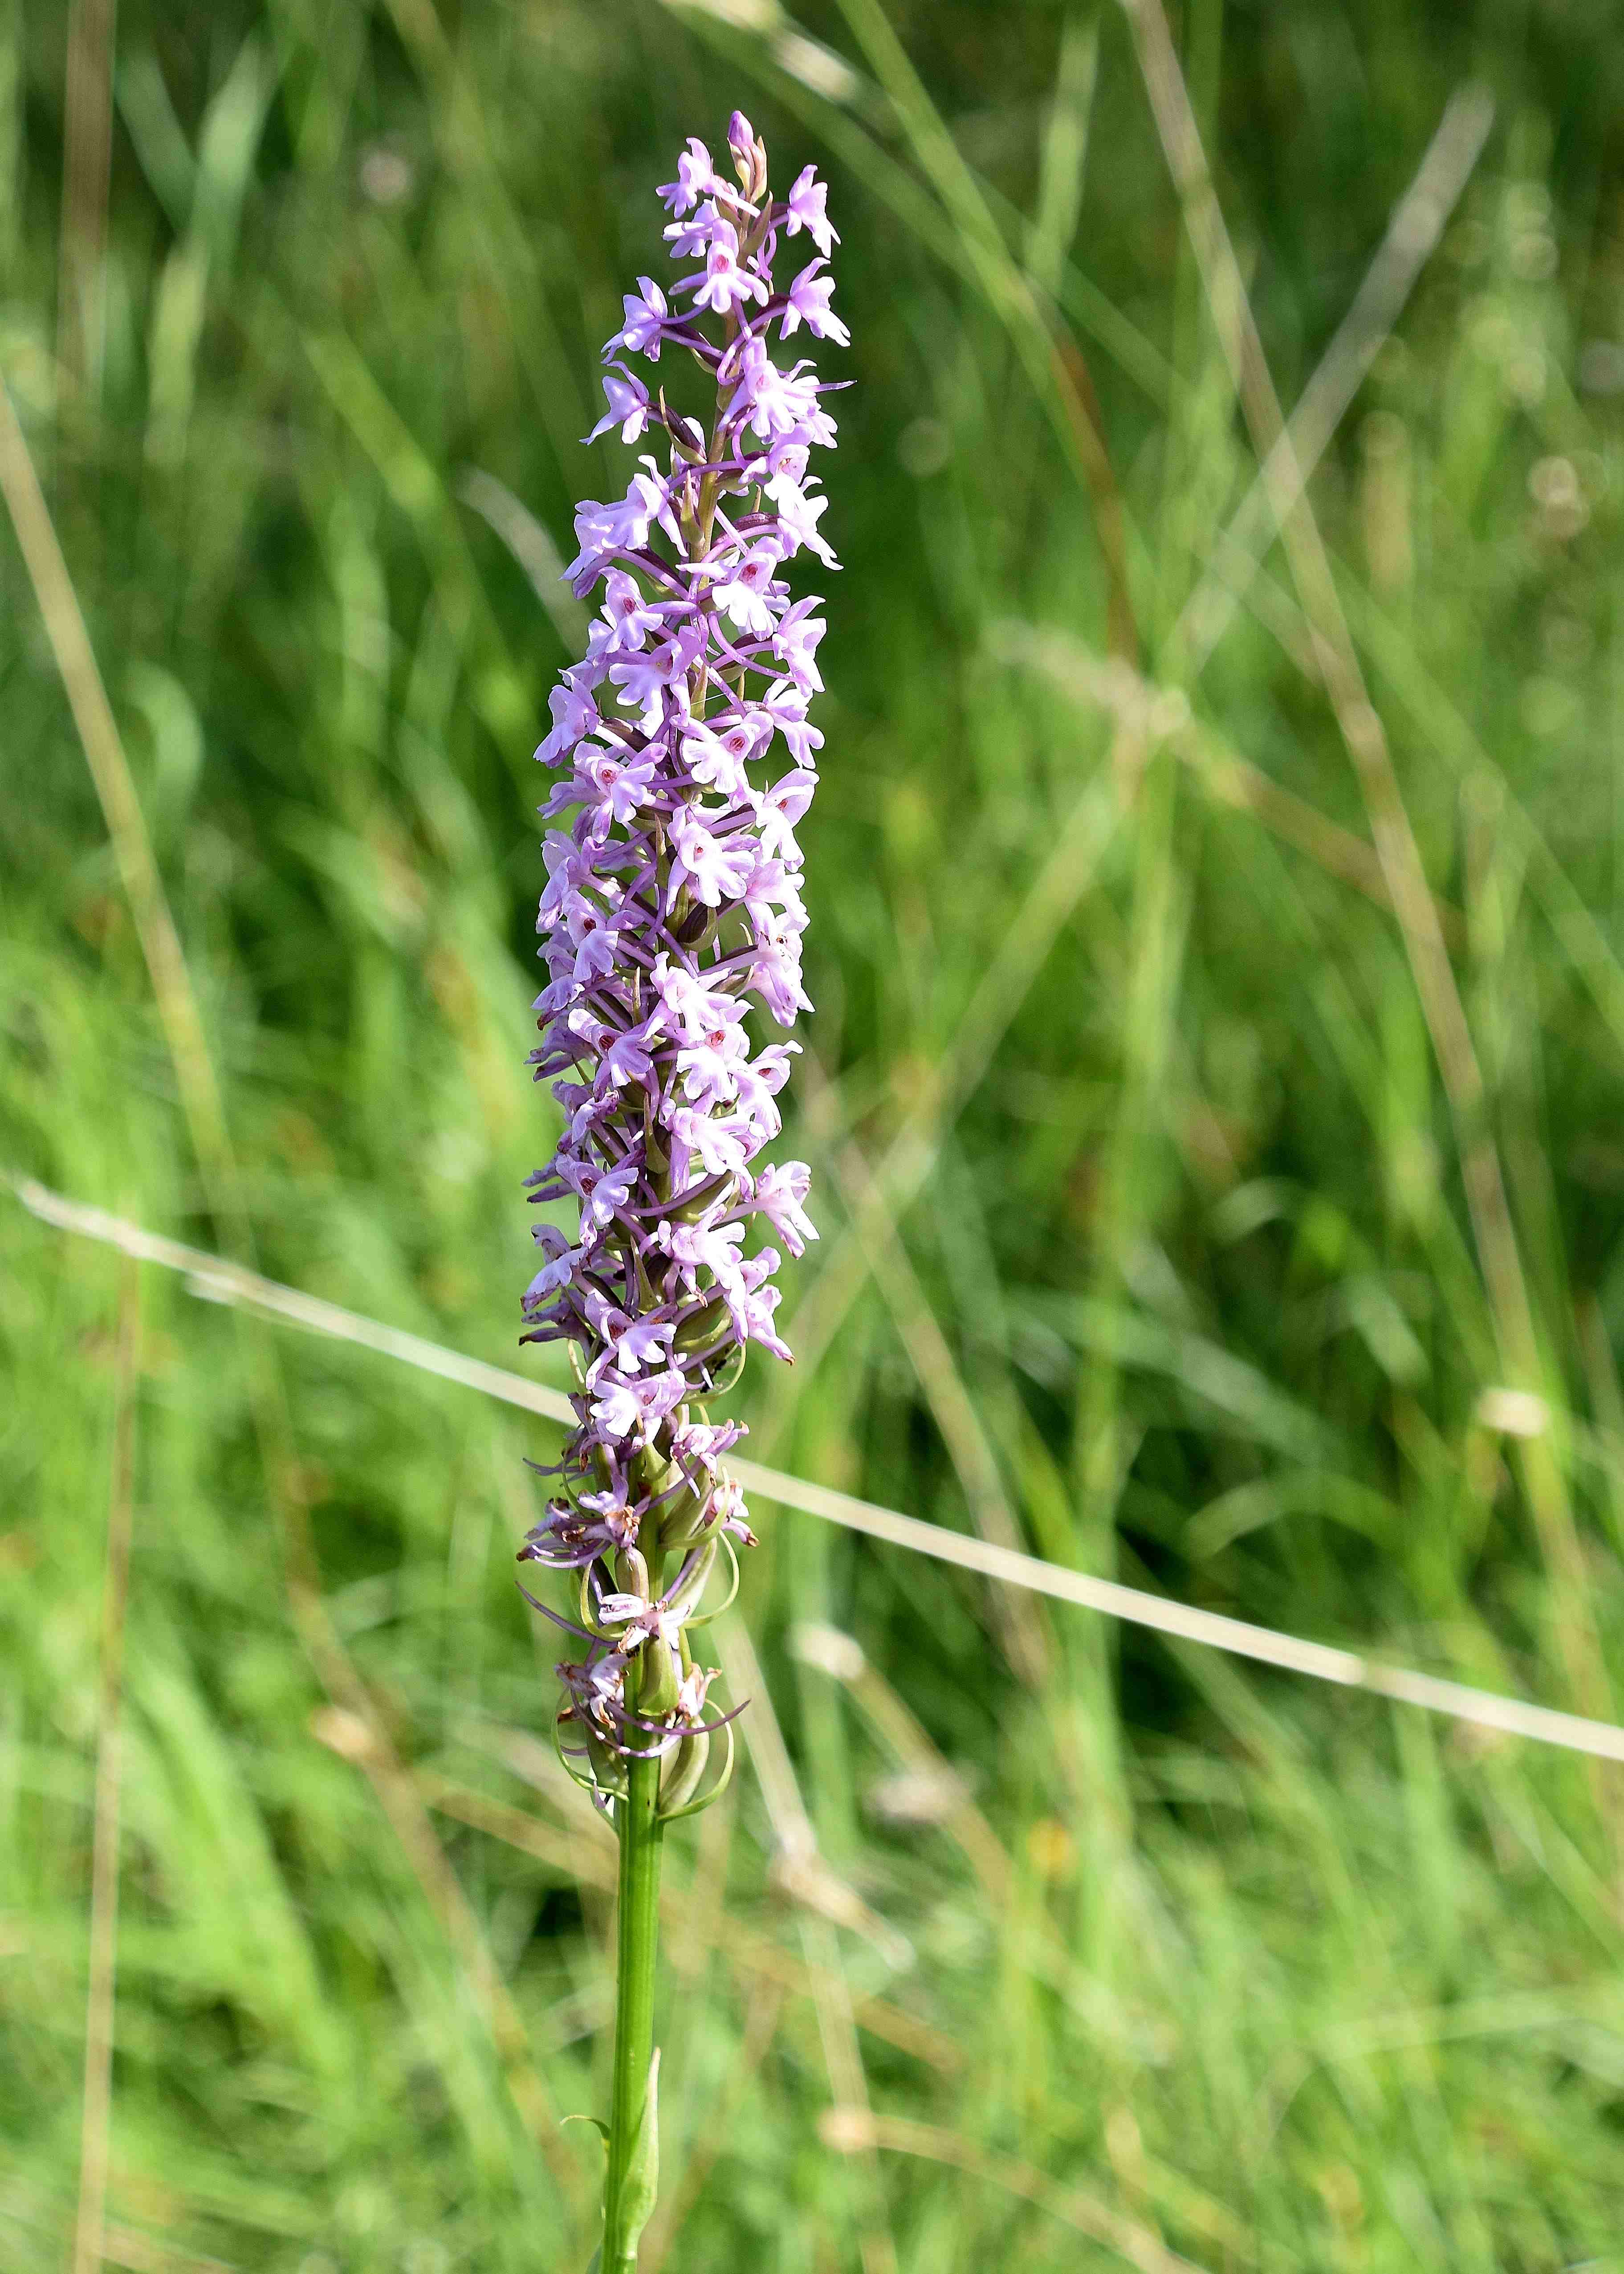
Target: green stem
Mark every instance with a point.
(637, 1947)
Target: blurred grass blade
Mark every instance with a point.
(160, 139)
(1418, 222)
(532, 547)
(229, 138)
(109, 769)
(823, 1899)
(1064, 153)
(90, 2239)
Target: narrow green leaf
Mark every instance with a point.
(641, 2184)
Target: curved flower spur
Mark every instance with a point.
(672, 904)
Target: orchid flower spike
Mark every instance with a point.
(682, 760)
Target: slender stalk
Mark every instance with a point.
(637, 1943)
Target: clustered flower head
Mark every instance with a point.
(673, 908)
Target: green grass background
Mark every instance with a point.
(1165, 1267)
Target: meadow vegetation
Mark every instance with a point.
(1197, 1207)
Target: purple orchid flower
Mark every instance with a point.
(682, 755)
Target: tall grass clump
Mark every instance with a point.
(1216, 932)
